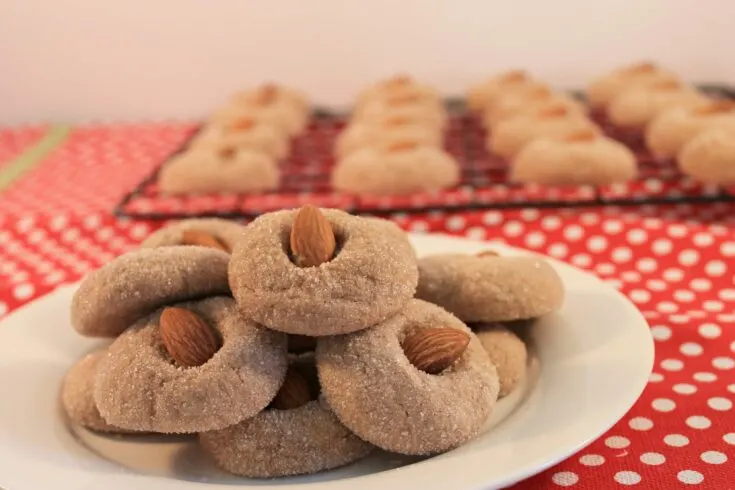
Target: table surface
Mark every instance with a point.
(58, 186)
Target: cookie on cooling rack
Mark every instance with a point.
(401, 86)
(219, 169)
(540, 100)
(602, 90)
(583, 158)
(710, 157)
(245, 132)
(385, 132)
(497, 87)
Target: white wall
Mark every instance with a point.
(71, 60)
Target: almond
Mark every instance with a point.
(514, 76)
(554, 112)
(643, 67)
(187, 337)
(203, 239)
(581, 135)
(242, 124)
(294, 392)
(227, 153)
(267, 94)
(716, 107)
(312, 238)
(434, 349)
(488, 253)
(404, 145)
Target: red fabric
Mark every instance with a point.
(677, 263)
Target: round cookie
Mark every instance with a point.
(423, 110)
(285, 107)
(226, 232)
(507, 352)
(485, 94)
(379, 395)
(371, 277)
(671, 130)
(490, 288)
(510, 136)
(636, 107)
(580, 159)
(396, 86)
(539, 100)
(133, 285)
(139, 388)
(710, 157)
(219, 170)
(77, 395)
(402, 169)
(247, 133)
(602, 90)
(385, 133)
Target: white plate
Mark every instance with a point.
(591, 361)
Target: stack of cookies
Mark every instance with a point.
(238, 150)
(546, 135)
(393, 143)
(303, 341)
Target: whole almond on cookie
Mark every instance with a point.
(435, 349)
(312, 238)
(187, 337)
(294, 392)
(203, 239)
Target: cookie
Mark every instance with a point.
(710, 157)
(370, 277)
(637, 107)
(382, 397)
(495, 88)
(77, 395)
(247, 133)
(385, 133)
(139, 386)
(401, 169)
(602, 90)
(224, 170)
(396, 86)
(671, 130)
(584, 158)
(212, 232)
(133, 285)
(427, 111)
(490, 288)
(287, 108)
(539, 99)
(507, 352)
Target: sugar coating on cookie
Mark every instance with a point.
(507, 352)
(133, 285)
(248, 133)
(710, 157)
(371, 277)
(595, 160)
(226, 169)
(274, 443)
(671, 130)
(379, 395)
(384, 134)
(77, 395)
(226, 231)
(396, 171)
(636, 107)
(138, 387)
(602, 90)
(492, 288)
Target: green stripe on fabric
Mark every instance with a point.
(34, 155)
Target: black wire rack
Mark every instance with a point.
(484, 184)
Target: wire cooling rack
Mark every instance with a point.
(484, 183)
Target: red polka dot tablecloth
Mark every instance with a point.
(676, 263)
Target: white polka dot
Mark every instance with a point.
(550, 223)
(703, 239)
(582, 260)
(652, 223)
(672, 365)
(655, 378)
(23, 291)
(92, 222)
(667, 307)
(589, 219)
(690, 477)
(715, 268)
(723, 363)
(662, 246)
(679, 319)
(475, 233)
(724, 317)
(558, 250)
(592, 460)
(684, 295)
(631, 276)
(677, 231)
(573, 232)
(729, 438)
(597, 243)
(530, 214)
(676, 440)
(701, 285)
(419, 226)
(719, 403)
(713, 305)
(58, 223)
(646, 265)
(535, 239)
(637, 236)
(673, 274)
(622, 254)
(565, 478)
(455, 223)
(728, 249)
(656, 285)
(653, 459)
(513, 228)
(627, 477)
(705, 377)
(713, 457)
(727, 294)
(731, 388)
(709, 330)
(640, 296)
(661, 332)
(492, 218)
(684, 388)
(698, 422)
(691, 349)
(640, 423)
(617, 442)
(611, 227)
(605, 268)
(139, 230)
(663, 405)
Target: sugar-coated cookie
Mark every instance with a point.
(507, 352)
(636, 107)
(284, 106)
(584, 158)
(710, 157)
(247, 133)
(602, 90)
(224, 233)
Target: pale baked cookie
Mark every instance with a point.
(139, 386)
(247, 133)
(133, 285)
(496, 87)
(287, 107)
(510, 136)
(77, 397)
(602, 90)
(368, 275)
(207, 232)
(507, 352)
(490, 288)
(584, 158)
(396, 86)
(426, 111)
(385, 133)
(380, 395)
(710, 157)
(219, 170)
(541, 99)
(671, 130)
(636, 107)
(400, 169)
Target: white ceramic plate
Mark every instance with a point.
(590, 363)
